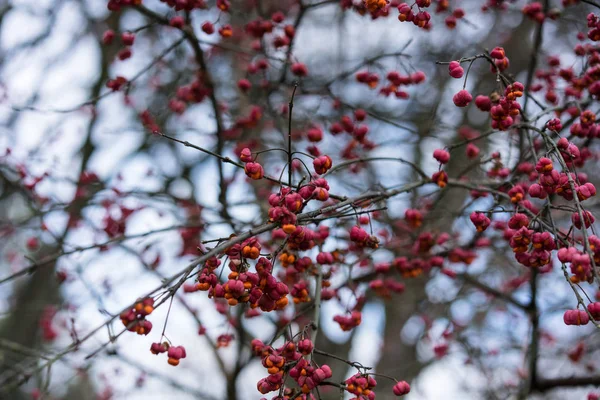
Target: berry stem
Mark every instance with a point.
(289, 152)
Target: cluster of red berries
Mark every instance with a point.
(361, 238)
(362, 386)
(534, 11)
(117, 83)
(586, 127)
(307, 376)
(576, 84)
(260, 289)
(294, 274)
(582, 317)
(127, 39)
(480, 220)
(440, 178)
(116, 5)
(413, 217)
(498, 56)
(553, 182)
(375, 5)
(252, 169)
(581, 264)
(317, 189)
(576, 317)
(354, 127)
(193, 93)
(410, 268)
(284, 207)
(115, 226)
(407, 12)
(395, 82)
(187, 5)
(299, 292)
(385, 288)
(174, 353)
(503, 109)
(420, 18)
(593, 22)
(501, 62)
(452, 19)
(135, 319)
(532, 249)
(322, 164)
(287, 203)
(455, 69)
(207, 27)
(281, 34)
(349, 322)
(289, 359)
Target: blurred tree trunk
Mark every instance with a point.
(22, 326)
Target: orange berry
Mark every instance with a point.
(289, 228)
(281, 303)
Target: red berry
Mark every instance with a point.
(208, 28)
(299, 69)
(127, 38)
(462, 98)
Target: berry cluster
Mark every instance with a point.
(362, 386)
(259, 289)
(395, 81)
(135, 319)
(174, 353)
(289, 359)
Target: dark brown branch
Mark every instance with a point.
(542, 385)
(492, 291)
(592, 3)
